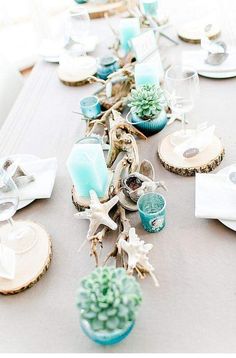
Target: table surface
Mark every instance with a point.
(194, 309)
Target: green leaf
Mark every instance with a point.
(112, 323)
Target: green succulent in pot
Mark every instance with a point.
(108, 300)
(148, 105)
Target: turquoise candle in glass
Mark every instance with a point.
(149, 7)
(90, 107)
(152, 211)
(146, 74)
(129, 28)
(87, 167)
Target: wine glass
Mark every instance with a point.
(182, 85)
(78, 29)
(20, 237)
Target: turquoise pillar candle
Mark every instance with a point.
(146, 74)
(152, 211)
(149, 7)
(129, 28)
(87, 167)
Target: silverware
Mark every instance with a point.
(217, 51)
(216, 59)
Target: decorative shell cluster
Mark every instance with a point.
(108, 299)
(147, 101)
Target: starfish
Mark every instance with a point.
(98, 214)
(137, 252)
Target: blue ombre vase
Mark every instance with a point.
(106, 338)
(152, 211)
(149, 127)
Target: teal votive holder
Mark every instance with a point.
(90, 107)
(152, 211)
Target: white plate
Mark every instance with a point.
(51, 50)
(229, 223)
(21, 158)
(218, 75)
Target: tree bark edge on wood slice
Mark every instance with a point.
(74, 84)
(191, 171)
(198, 41)
(45, 266)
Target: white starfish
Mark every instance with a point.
(98, 214)
(137, 252)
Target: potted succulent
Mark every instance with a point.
(108, 300)
(148, 105)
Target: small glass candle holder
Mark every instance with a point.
(149, 7)
(90, 107)
(152, 211)
(145, 74)
(107, 66)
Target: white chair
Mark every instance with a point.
(11, 83)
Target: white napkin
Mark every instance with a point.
(44, 172)
(215, 198)
(7, 262)
(196, 59)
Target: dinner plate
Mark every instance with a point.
(20, 158)
(218, 75)
(229, 223)
(51, 50)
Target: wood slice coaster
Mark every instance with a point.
(64, 78)
(204, 162)
(192, 32)
(82, 203)
(101, 10)
(30, 266)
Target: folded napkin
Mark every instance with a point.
(44, 172)
(196, 59)
(215, 197)
(7, 262)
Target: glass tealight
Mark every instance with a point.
(90, 107)
(152, 211)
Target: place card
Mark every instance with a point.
(146, 51)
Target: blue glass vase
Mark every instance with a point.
(106, 338)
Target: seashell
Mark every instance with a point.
(147, 169)
(97, 214)
(137, 251)
(136, 184)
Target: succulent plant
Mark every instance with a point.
(147, 101)
(108, 299)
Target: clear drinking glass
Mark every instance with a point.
(21, 237)
(78, 29)
(182, 86)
